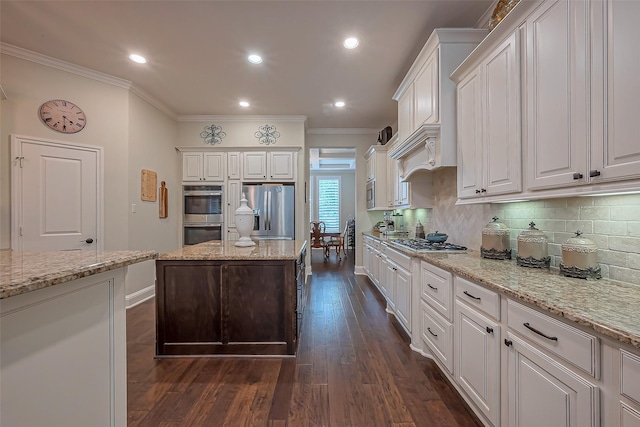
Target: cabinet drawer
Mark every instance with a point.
(437, 334)
(402, 260)
(573, 345)
(479, 297)
(437, 288)
(630, 375)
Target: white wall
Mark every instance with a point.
(361, 140)
(347, 192)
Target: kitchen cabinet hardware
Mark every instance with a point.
(484, 190)
(594, 172)
(88, 240)
(489, 330)
(431, 332)
(508, 343)
(432, 287)
(472, 296)
(477, 191)
(577, 175)
(531, 328)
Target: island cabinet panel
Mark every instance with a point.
(213, 307)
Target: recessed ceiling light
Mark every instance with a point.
(339, 104)
(351, 43)
(255, 59)
(244, 104)
(137, 58)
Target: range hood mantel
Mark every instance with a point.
(419, 152)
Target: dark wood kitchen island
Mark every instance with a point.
(218, 299)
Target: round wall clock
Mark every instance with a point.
(63, 116)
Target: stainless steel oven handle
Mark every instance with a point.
(202, 225)
(203, 193)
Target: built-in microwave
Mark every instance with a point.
(203, 204)
(199, 233)
(371, 194)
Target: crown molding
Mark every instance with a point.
(483, 21)
(241, 118)
(153, 101)
(48, 61)
(342, 131)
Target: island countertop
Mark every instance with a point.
(606, 306)
(226, 250)
(22, 272)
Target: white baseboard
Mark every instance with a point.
(359, 269)
(420, 351)
(140, 296)
(307, 272)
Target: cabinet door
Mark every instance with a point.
(501, 116)
(403, 297)
(367, 254)
(214, 166)
(232, 234)
(282, 165)
(615, 150)
(254, 165)
(371, 167)
(233, 191)
(426, 91)
(469, 136)
(478, 358)
(557, 94)
(389, 277)
(233, 165)
(192, 167)
(628, 416)
(405, 114)
(543, 392)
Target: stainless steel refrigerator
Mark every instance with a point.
(273, 210)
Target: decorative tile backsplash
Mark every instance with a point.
(612, 222)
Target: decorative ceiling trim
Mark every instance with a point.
(241, 118)
(49, 61)
(342, 131)
(153, 101)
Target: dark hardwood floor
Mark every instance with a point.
(353, 368)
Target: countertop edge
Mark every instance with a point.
(179, 255)
(73, 273)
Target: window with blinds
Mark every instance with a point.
(326, 206)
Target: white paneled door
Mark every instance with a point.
(56, 196)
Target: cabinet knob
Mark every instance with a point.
(477, 191)
(594, 172)
(508, 343)
(484, 190)
(489, 330)
(577, 175)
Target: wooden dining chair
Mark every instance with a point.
(337, 242)
(318, 230)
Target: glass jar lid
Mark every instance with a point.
(532, 234)
(579, 244)
(495, 227)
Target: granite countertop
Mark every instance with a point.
(226, 250)
(22, 272)
(606, 306)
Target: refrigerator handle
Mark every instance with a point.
(265, 210)
(269, 214)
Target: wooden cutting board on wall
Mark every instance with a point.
(148, 185)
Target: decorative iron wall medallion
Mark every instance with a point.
(267, 134)
(212, 134)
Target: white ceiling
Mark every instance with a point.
(197, 50)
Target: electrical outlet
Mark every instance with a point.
(133, 208)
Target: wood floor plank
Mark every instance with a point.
(354, 368)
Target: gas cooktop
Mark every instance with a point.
(423, 245)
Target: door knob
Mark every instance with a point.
(89, 240)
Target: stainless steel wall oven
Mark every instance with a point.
(202, 218)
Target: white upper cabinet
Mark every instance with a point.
(233, 165)
(557, 94)
(198, 166)
(376, 158)
(615, 148)
(426, 102)
(269, 165)
(489, 143)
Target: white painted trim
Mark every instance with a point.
(342, 131)
(3, 95)
(16, 183)
(359, 270)
(240, 149)
(153, 101)
(421, 352)
(483, 21)
(241, 118)
(140, 296)
(49, 61)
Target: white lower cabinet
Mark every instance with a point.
(477, 355)
(628, 416)
(403, 296)
(437, 334)
(543, 392)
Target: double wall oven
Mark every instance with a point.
(202, 219)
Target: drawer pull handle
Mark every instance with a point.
(471, 296)
(431, 332)
(489, 330)
(432, 287)
(531, 328)
(508, 343)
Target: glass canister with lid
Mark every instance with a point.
(580, 258)
(495, 241)
(533, 249)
